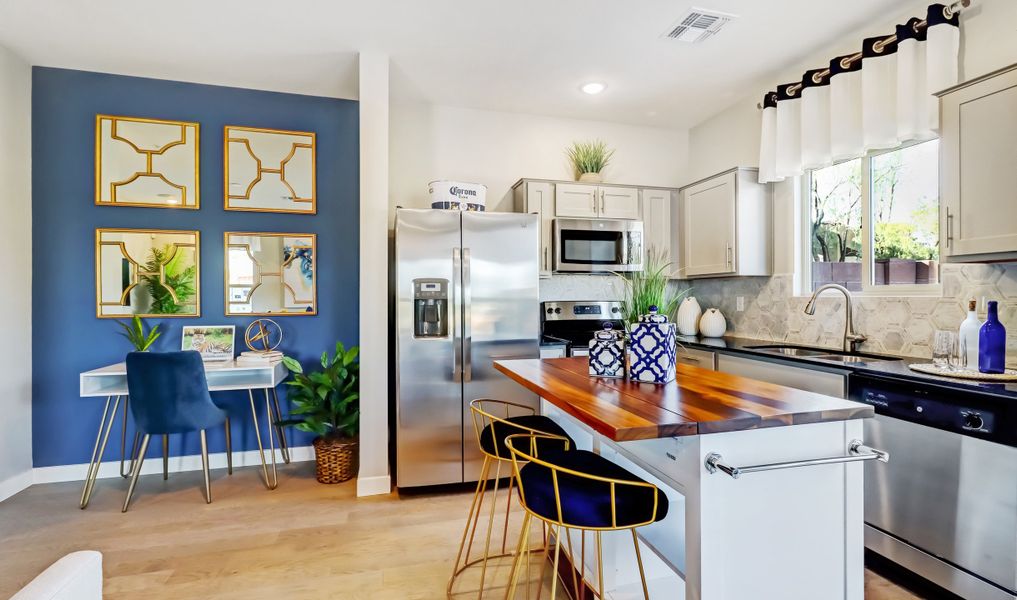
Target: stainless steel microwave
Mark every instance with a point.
(597, 245)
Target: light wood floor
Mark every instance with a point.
(303, 540)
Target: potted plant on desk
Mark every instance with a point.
(327, 404)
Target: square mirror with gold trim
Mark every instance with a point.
(147, 272)
(146, 162)
(270, 273)
(269, 170)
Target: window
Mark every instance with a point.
(873, 222)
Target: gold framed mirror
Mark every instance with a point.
(269, 170)
(146, 162)
(147, 272)
(270, 273)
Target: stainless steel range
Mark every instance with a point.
(574, 323)
(945, 507)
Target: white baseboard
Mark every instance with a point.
(373, 486)
(14, 484)
(177, 464)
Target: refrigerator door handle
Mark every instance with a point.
(467, 309)
(454, 321)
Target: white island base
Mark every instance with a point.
(787, 534)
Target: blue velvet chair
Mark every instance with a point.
(578, 489)
(169, 394)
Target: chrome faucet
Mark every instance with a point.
(851, 339)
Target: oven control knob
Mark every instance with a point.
(557, 311)
(615, 309)
(550, 310)
(973, 421)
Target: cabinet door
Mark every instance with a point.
(708, 226)
(657, 223)
(575, 200)
(539, 201)
(979, 179)
(619, 203)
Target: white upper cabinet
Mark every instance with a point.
(537, 197)
(978, 175)
(725, 226)
(585, 201)
(577, 201)
(658, 224)
(619, 203)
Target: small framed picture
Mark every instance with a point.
(214, 342)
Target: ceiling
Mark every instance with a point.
(526, 56)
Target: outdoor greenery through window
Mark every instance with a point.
(874, 221)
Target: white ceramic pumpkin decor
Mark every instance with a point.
(713, 324)
(688, 316)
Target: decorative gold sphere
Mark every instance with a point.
(264, 332)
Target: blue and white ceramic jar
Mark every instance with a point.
(652, 345)
(607, 353)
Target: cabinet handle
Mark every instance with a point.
(730, 258)
(602, 202)
(545, 258)
(949, 229)
(688, 358)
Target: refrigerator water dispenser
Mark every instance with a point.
(430, 308)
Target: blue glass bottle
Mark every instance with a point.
(992, 343)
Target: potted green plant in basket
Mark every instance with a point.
(327, 404)
(589, 159)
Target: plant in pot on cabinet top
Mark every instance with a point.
(589, 159)
(327, 404)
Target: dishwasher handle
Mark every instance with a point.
(857, 452)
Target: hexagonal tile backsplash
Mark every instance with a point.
(894, 325)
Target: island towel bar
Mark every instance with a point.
(857, 451)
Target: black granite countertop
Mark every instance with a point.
(896, 369)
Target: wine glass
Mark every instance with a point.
(944, 345)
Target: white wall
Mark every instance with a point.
(16, 274)
(374, 477)
(431, 142)
(730, 138)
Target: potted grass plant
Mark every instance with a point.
(136, 335)
(327, 404)
(589, 160)
(650, 287)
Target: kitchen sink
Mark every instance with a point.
(822, 354)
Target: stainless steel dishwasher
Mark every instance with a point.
(945, 506)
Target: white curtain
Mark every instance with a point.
(879, 101)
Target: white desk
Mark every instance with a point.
(111, 381)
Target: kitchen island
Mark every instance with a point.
(764, 481)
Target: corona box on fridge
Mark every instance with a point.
(652, 347)
(457, 195)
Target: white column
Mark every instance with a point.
(374, 477)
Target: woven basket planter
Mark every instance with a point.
(336, 459)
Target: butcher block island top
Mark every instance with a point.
(699, 402)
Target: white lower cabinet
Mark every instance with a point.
(696, 358)
(831, 383)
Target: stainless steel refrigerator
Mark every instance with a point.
(466, 295)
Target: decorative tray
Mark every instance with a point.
(931, 369)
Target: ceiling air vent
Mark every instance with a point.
(698, 25)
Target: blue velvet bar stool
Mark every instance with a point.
(493, 421)
(169, 394)
(578, 489)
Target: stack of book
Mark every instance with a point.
(259, 358)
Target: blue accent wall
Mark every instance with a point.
(67, 337)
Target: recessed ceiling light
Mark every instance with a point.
(594, 87)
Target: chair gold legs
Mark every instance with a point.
(204, 467)
(579, 581)
(101, 437)
(229, 447)
(463, 560)
(136, 470)
(165, 457)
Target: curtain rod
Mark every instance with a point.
(817, 77)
